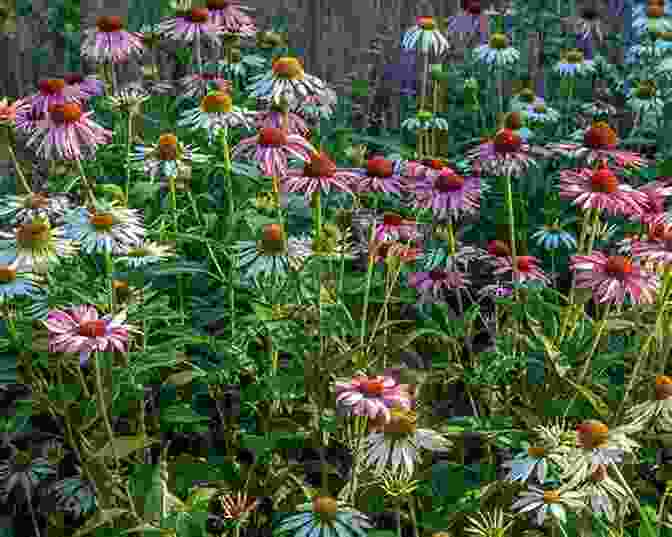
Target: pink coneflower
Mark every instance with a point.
(431, 284)
(657, 248)
(611, 277)
(504, 155)
(81, 330)
(320, 173)
(108, 42)
(8, 111)
(194, 25)
(81, 87)
(599, 143)
(229, 15)
(395, 228)
(383, 251)
(27, 120)
(198, 85)
(447, 192)
(371, 396)
(271, 148)
(527, 268)
(317, 106)
(379, 175)
(654, 214)
(601, 189)
(68, 134)
(51, 91)
(273, 117)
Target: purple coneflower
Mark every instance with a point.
(108, 42)
(395, 228)
(655, 214)
(68, 133)
(230, 16)
(82, 87)
(527, 268)
(611, 277)
(197, 85)
(271, 148)
(80, 330)
(273, 117)
(51, 91)
(430, 284)
(600, 189)
(371, 396)
(318, 174)
(504, 155)
(599, 143)
(380, 175)
(657, 248)
(447, 192)
(194, 25)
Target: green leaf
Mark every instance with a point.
(123, 446)
(647, 525)
(184, 377)
(101, 518)
(144, 191)
(181, 414)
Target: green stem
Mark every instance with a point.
(234, 255)
(87, 185)
(512, 227)
(103, 407)
(317, 214)
(17, 166)
(369, 276)
(128, 156)
(173, 203)
(667, 287)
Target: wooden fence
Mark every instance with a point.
(340, 41)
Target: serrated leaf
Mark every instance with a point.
(123, 446)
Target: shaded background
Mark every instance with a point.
(339, 41)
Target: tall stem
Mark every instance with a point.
(369, 275)
(128, 155)
(317, 213)
(512, 228)
(173, 203)
(234, 254)
(197, 47)
(87, 185)
(103, 407)
(423, 90)
(17, 166)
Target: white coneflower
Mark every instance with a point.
(557, 502)
(596, 444)
(490, 524)
(34, 246)
(107, 228)
(146, 253)
(497, 52)
(288, 79)
(425, 37)
(572, 63)
(25, 207)
(657, 412)
(604, 495)
(216, 112)
(397, 443)
(325, 517)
